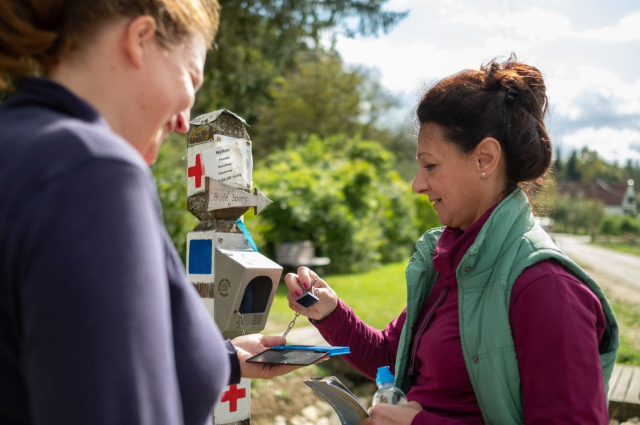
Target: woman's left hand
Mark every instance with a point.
(392, 414)
(249, 345)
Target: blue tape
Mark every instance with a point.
(200, 256)
(331, 351)
(247, 234)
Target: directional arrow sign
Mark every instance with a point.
(221, 196)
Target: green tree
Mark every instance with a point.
(587, 166)
(592, 167)
(572, 172)
(344, 195)
(558, 166)
(632, 171)
(620, 225)
(323, 97)
(320, 97)
(375, 103)
(259, 40)
(574, 214)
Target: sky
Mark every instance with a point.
(588, 52)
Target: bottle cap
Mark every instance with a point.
(384, 376)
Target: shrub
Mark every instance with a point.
(620, 225)
(170, 173)
(345, 196)
(576, 215)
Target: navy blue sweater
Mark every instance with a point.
(98, 324)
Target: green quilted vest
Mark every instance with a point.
(508, 243)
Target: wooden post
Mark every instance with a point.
(217, 228)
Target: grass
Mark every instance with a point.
(621, 247)
(628, 315)
(377, 297)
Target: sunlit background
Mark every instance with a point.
(586, 50)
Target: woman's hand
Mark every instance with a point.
(392, 414)
(328, 300)
(248, 346)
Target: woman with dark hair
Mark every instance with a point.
(98, 324)
(501, 327)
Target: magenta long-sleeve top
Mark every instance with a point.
(556, 323)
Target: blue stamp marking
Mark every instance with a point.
(200, 256)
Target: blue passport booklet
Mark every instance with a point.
(300, 355)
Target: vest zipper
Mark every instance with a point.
(429, 276)
(464, 353)
(417, 335)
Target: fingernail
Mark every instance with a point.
(306, 285)
(298, 293)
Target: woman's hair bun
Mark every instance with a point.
(524, 81)
(504, 100)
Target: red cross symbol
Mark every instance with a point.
(232, 396)
(196, 171)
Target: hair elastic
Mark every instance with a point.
(511, 96)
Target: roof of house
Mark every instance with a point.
(608, 193)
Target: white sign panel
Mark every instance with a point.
(234, 404)
(229, 161)
(223, 159)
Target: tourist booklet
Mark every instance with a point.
(344, 402)
(302, 355)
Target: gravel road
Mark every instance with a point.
(617, 273)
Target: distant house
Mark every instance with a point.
(618, 198)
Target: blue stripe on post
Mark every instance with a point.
(200, 256)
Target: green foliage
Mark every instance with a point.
(259, 40)
(628, 316)
(267, 59)
(632, 171)
(323, 97)
(620, 225)
(587, 166)
(171, 176)
(319, 97)
(344, 195)
(572, 172)
(576, 215)
(377, 296)
(427, 218)
(629, 351)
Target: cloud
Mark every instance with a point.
(588, 62)
(407, 67)
(535, 24)
(610, 143)
(591, 97)
(626, 29)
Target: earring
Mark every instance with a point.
(483, 175)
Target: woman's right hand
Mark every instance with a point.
(328, 300)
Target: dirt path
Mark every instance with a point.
(617, 273)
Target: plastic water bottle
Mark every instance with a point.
(387, 392)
